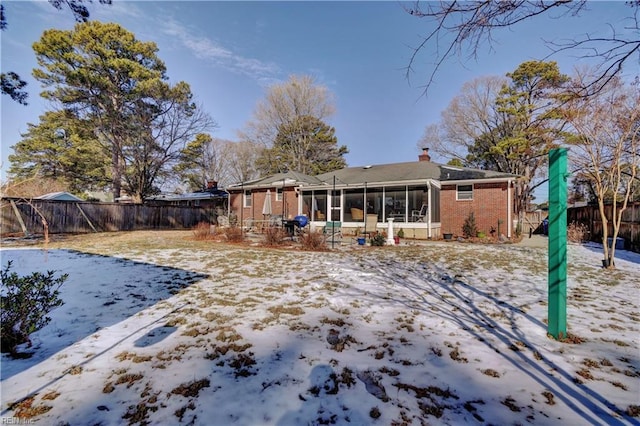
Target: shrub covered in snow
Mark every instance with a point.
(25, 303)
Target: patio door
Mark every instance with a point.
(336, 204)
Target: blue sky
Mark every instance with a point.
(230, 52)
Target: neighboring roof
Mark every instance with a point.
(452, 173)
(276, 180)
(201, 195)
(59, 196)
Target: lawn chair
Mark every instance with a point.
(333, 231)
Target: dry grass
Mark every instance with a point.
(50, 396)
(491, 373)
(131, 356)
(130, 379)
(26, 409)
(549, 398)
(191, 389)
(202, 231)
(226, 348)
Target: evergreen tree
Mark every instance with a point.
(104, 75)
(61, 147)
(305, 145)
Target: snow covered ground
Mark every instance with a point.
(159, 329)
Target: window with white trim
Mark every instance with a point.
(464, 192)
(247, 198)
(279, 194)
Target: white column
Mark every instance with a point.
(390, 240)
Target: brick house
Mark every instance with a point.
(247, 199)
(424, 198)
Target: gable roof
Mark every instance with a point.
(407, 172)
(276, 180)
(412, 171)
(59, 196)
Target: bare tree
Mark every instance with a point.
(206, 159)
(464, 27)
(606, 149)
(241, 158)
(164, 129)
(283, 103)
(468, 116)
(506, 125)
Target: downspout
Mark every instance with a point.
(509, 209)
(429, 206)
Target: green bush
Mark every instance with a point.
(24, 305)
(469, 228)
(378, 240)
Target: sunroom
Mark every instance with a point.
(366, 207)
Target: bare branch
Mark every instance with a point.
(465, 27)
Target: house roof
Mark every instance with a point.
(59, 196)
(413, 171)
(409, 171)
(276, 180)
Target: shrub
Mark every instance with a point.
(469, 228)
(24, 305)
(378, 240)
(577, 232)
(313, 241)
(274, 236)
(234, 234)
(202, 231)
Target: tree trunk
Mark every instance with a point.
(605, 232)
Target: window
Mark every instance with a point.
(354, 205)
(279, 194)
(395, 202)
(247, 198)
(464, 192)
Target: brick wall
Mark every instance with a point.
(258, 197)
(489, 204)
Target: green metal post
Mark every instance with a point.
(557, 326)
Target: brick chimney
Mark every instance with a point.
(425, 155)
(212, 184)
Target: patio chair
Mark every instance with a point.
(419, 215)
(371, 224)
(333, 231)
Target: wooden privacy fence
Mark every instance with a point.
(23, 216)
(629, 227)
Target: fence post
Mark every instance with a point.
(17, 212)
(557, 278)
